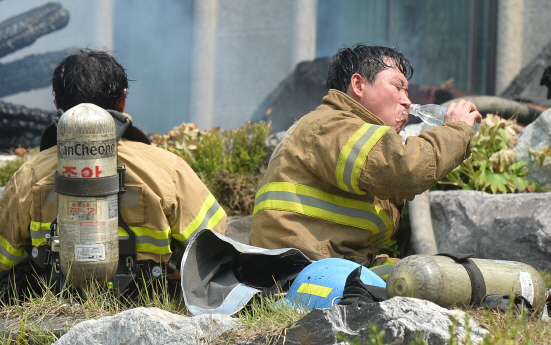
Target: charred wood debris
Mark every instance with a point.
(21, 126)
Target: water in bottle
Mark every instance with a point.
(433, 114)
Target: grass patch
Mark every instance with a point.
(39, 317)
(264, 318)
(510, 328)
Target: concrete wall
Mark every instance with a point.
(242, 49)
(213, 62)
(524, 28)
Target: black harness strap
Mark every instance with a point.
(126, 130)
(74, 186)
(478, 285)
(49, 136)
(123, 125)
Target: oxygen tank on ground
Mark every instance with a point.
(87, 187)
(444, 281)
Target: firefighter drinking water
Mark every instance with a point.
(336, 184)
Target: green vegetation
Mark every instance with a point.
(229, 162)
(9, 167)
(492, 166)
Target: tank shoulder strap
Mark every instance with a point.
(49, 136)
(123, 125)
(478, 285)
(126, 130)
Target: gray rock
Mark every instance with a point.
(399, 317)
(513, 227)
(238, 228)
(537, 135)
(2, 189)
(141, 326)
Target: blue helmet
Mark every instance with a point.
(323, 281)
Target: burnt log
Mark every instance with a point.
(21, 126)
(30, 72)
(22, 30)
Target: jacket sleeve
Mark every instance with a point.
(393, 169)
(194, 207)
(14, 224)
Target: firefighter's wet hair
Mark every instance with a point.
(367, 61)
(89, 76)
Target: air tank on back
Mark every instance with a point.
(441, 280)
(87, 218)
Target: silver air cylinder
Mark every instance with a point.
(441, 280)
(87, 187)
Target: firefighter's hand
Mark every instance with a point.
(463, 111)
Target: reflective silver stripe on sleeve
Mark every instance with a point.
(39, 234)
(144, 239)
(353, 155)
(11, 257)
(323, 205)
(210, 212)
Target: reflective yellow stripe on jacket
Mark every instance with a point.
(39, 232)
(9, 255)
(149, 240)
(210, 214)
(353, 156)
(293, 197)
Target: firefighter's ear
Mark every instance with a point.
(122, 103)
(355, 89)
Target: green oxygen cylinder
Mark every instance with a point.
(444, 281)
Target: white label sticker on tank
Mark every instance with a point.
(505, 262)
(90, 252)
(527, 286)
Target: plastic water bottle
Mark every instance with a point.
(433, 114)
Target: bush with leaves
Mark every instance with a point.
(229, 162)
(9, 167)
(492, 166)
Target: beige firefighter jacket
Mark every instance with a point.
(335, 186)
(165, 201)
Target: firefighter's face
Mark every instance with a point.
(387, 98)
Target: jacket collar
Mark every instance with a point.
(340, 101)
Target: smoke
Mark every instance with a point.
(152, 40)
(257, 45)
